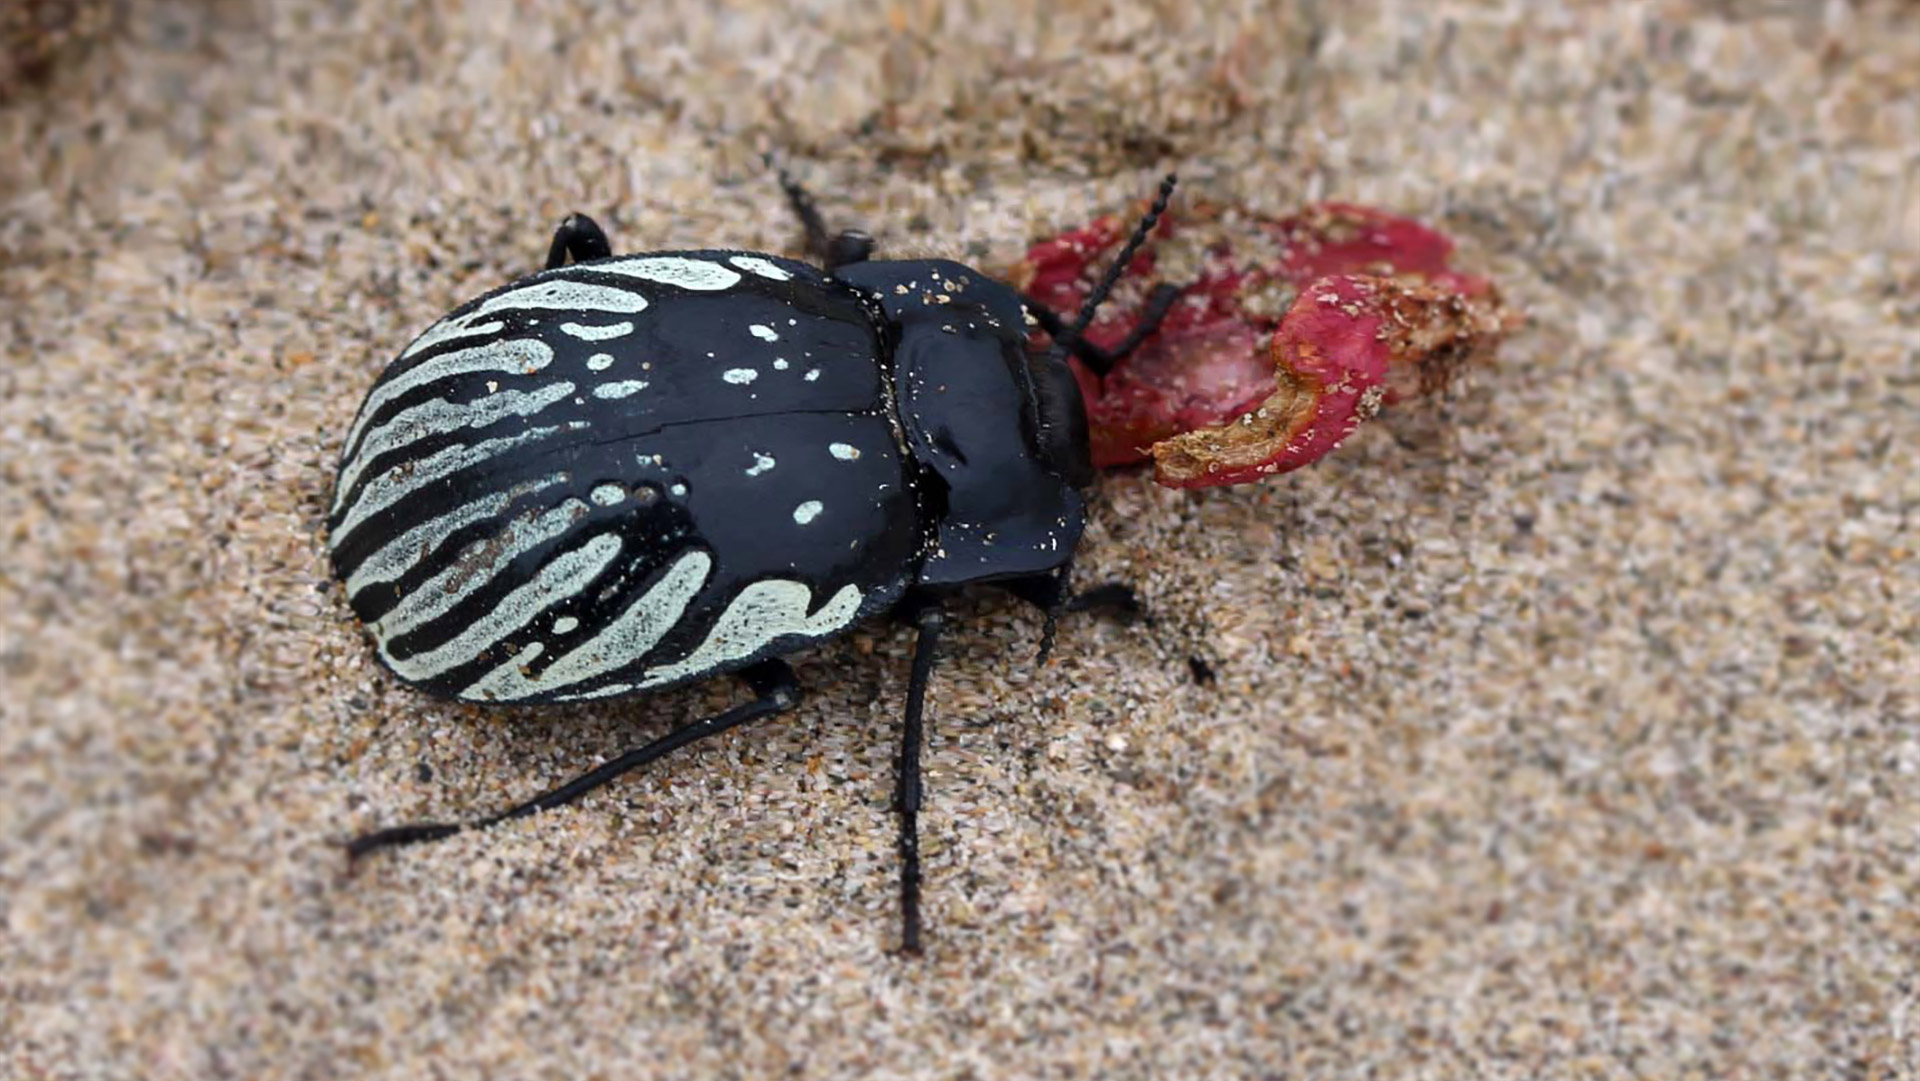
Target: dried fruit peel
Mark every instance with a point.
(1355, 308)
(1333, 356)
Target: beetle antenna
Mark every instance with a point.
(1063, 344)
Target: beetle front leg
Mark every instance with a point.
(1054, 596)
(580, 237)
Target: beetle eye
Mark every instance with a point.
(1062, 439)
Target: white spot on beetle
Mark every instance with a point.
(812, 374)
(678, 490)
(753, 264)
(761, 464)
(740, 377)
(779, 364)
(565, 624)
(808, 511)
(598, 334)
(764, 332)
(607, 494)
(846, 452)
(611, 391)
(600, 362)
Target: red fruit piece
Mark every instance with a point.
(1333, 361)
(1287, 335)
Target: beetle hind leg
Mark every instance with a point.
(834, 250)
(776, 691)
(580, 237)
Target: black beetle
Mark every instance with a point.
(630, 473)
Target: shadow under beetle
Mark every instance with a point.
(633, 472)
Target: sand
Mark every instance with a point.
(1566, 728)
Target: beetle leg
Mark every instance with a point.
(772, 681)
(808, 211)
(1116, 598)
(930, 619)
(1047, 592)
(1051, 593)
(834, 250)
(580, 237)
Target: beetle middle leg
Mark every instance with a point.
(776, 691)
(580, 237)
(930, 619)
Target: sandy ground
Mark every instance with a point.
(1563, 730)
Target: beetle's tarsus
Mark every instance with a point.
(418, 833)
(580, 237)
(776, 691)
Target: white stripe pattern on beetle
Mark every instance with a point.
(406, 551)
(702, 275)
(439, 417)
(759, 615)
(519, 356)
(753, 264)
(552, 294)
(389, 488)
(476, 568)
(620, 643)
(562, 577)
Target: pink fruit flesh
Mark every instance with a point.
(1287, 335)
